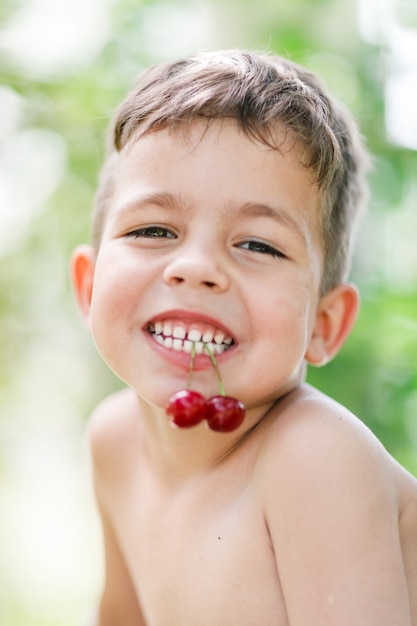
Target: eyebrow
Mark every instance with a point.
(164, 200)
(253, 209)
(168, 200)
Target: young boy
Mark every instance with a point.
(223, 219)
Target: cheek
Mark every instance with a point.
(111, 299)
(288, 316)
(116, 279)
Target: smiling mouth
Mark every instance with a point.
(176, 336)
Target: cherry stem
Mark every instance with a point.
(191, 369)
(216, 367)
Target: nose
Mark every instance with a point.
(196, 267)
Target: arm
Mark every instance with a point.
(333, 518)
(119, 604)
(108, 433)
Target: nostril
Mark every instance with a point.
(177, 280)
(195, 271)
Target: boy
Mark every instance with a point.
(224, 218)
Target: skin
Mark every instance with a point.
(299, 517)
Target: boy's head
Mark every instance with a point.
(261, 93)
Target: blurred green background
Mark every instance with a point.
(64, 66)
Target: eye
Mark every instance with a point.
(262, 248)
(152, 232)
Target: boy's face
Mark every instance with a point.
(209, 233)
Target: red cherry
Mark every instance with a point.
(224, 413)
(186, 408)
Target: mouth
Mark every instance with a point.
(180, 337)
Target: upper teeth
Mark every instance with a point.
(175, 336)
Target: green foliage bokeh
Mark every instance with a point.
(375, 374)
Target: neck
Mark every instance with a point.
(179, 454)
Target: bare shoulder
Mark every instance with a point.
(318, 454)
(333, 496)
(112, 428)
(312, 427)
(314, 436)
(114, 412)
(312, 431)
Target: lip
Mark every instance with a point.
(189, 317)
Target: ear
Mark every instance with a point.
(82, 266)
(336, 315)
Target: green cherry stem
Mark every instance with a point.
(216, 367)
(191, 369)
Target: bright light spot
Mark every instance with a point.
(401, 88)
(401, 108)
(50, 541)
(49, 535)
(392, 25)
(32, 163)
(373, 16)
(47, 37)
(11, 111)
(170, 31)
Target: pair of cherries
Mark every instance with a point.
(187, 408)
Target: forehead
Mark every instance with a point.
(221, 149)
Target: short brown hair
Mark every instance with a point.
(259, 91)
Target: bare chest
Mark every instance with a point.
(201, 558)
